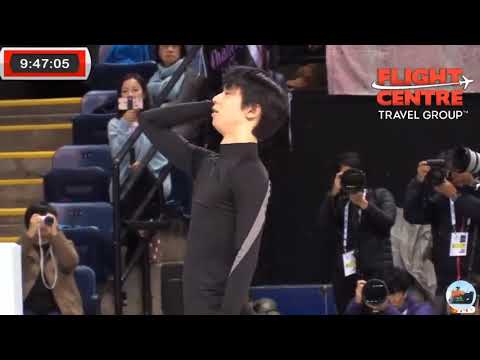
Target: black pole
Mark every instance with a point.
(117, 284)
(116, 187)
(146, 279)
(136, 175)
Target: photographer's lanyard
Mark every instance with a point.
(349, 261)
(459, 240)
(345, 221)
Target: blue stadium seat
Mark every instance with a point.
(91, 129)
(99, 102)
(99, 215)
(298, 299)
(103, 51)
(108, 76)
(89, 242)
(80, 156)
(76, 185)
(85, 279)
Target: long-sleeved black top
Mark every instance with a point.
(230, 197)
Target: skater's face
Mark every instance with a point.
(229, 115)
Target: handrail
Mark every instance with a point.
(117, 188)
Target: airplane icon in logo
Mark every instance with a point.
(465, 82)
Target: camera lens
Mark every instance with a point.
(375, 292)
(48, 221)
(353, 180)
(465, 159)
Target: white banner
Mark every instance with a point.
(352, 69)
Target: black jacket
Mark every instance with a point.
(423, 206)
(370, 238)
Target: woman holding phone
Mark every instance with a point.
(133, 99)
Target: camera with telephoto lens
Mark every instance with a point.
(375, 292)
(353, 181)
(465, 160)
(438, 172)
(48, 220)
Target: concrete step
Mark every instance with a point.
(24, 168)
(36, 137)
(40, 106)
(11, 223)
(12, 230)
(8, 239)
(18, 193)
(37, 119)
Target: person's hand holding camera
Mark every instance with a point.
(359, 291)
(447, 189)
(359, 200)
(36, 222)
(52, 230)
(131, 116)
(337, 185)
(422, 171)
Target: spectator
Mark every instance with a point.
(306, 77)
(119, 130)
(399, 302)
(49, 260)
(434, 204)
(359, 248)
(191, 86)
(127, 54)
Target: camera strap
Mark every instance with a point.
(345, 221)
(454, 233)
(345, 226)
(42, 261)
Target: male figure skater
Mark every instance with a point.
(231, 188)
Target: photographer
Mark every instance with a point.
(355, 222)
(49, 260)
(445, 195)
(396, 302)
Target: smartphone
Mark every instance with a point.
(130, 103)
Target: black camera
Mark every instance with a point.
(438, 172)
(375, 292)
(353, 181)
(48, 220)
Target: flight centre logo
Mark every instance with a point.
(421, 93)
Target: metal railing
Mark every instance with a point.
(119, 192)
